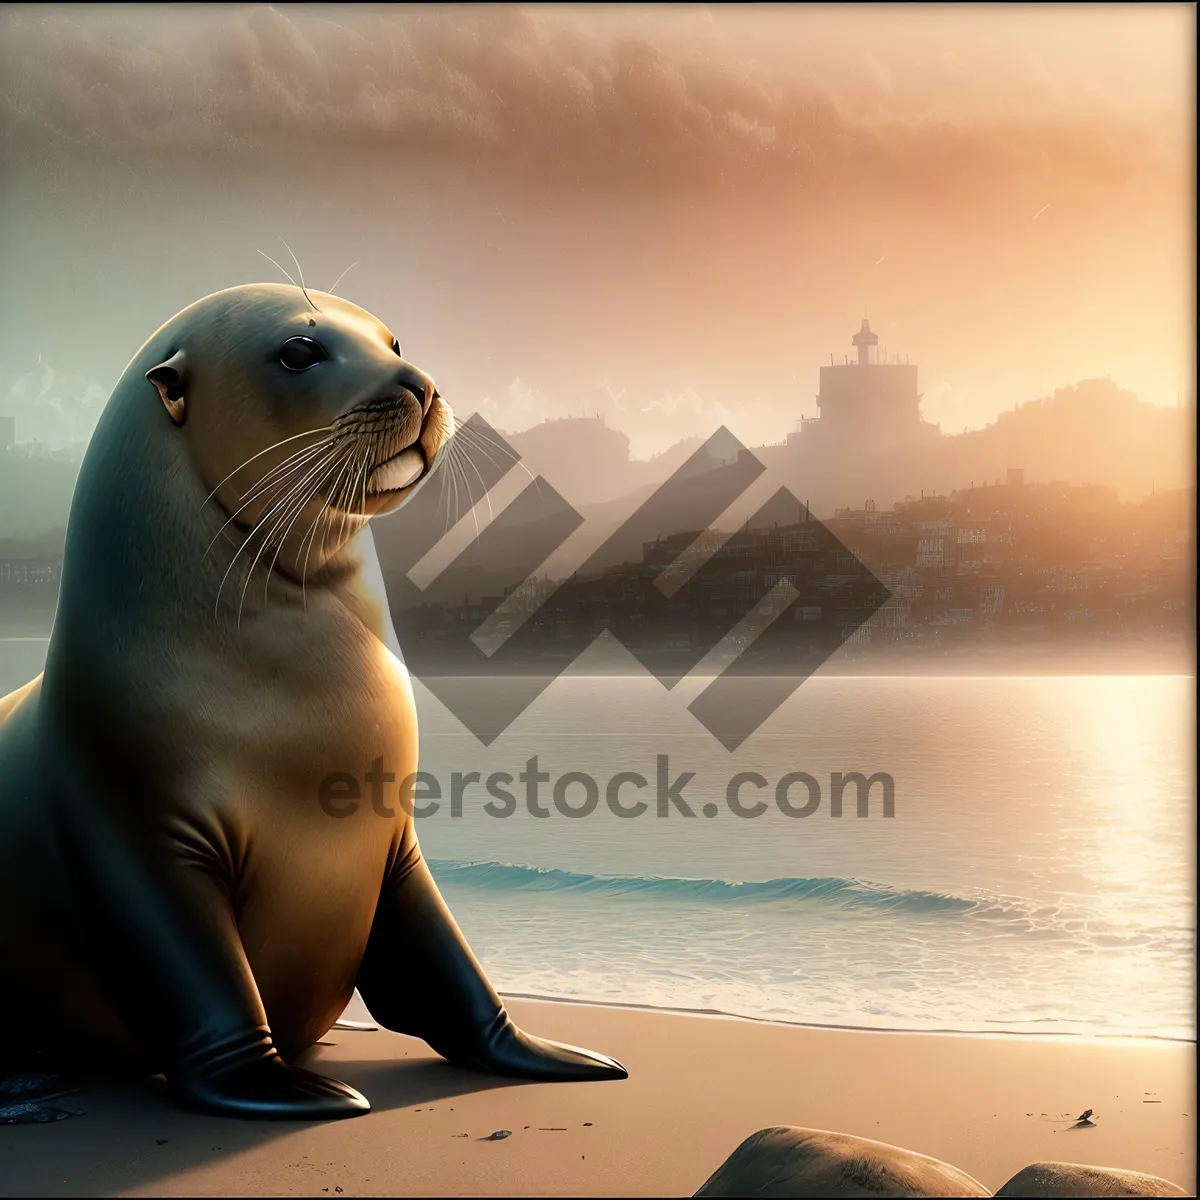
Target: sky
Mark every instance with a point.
(672, 216)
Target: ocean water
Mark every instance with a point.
(1037, 874)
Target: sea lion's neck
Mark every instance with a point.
(148, 552)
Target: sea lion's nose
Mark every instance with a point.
(418, 383)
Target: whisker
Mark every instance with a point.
(311, 535)
(296, 508)
(281, 442)
(457, 507)
(292, 463)
(357, 481)
(326, 472)
(443, 497)
(483, 443)
(279, 472)
(470, 495)
(275, 264)
(473, 440)
(246, 542)
(359, 489)
(474, 436)
(228, 569)
(342, 276)
(285, 503)
(300, 272)
(486, 493)
(350, 487)
(250, 573)
(365, 476)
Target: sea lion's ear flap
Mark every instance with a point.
(170, 377)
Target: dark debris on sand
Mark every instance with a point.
(25, 1100)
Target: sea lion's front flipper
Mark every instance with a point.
(419, 977)
(167, 949)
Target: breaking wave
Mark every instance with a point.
(846, 893)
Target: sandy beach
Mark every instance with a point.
(698, 1085)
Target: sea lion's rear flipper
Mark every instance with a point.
(419, 977)
(168, 951)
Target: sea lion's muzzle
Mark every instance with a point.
(401, 459)
(417, 382)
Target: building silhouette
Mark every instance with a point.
(866, 406)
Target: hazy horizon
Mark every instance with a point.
(671, 217)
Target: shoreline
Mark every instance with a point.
(1167, 660)
(988, 1105)
(905, 1030)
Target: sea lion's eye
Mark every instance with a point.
(396, 348)
(300, 353)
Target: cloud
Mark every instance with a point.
(54, 408)
(519, 406)
(539, 91)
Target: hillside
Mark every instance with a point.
(589, 461)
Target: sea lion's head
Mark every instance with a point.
(298, 409)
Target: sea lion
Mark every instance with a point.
(175, 895)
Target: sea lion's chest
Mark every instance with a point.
(303, 720)
(301, 776)
(283, 755)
